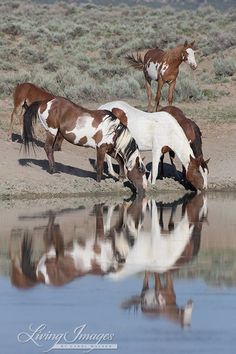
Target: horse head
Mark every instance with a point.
(136, 174)
(188, 54)
(197, 172)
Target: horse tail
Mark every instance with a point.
(30, 118)
(137, 62)
(28, 268)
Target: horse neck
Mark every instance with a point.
(180, 145)
(173, 56)
(125, 146)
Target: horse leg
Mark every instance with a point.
(21, 117)
(101, 152)
(162, 166)
(13, 115)
(48, 147)
(149, 95)
(146, 281)
(156, 154)
(157, 282)
(171, 92)
(175, 172)
(122, 174)
(110, 167)
(184, 173)
(160, 83)
(58, 142)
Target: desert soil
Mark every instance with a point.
(25, 176)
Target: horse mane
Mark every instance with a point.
(197, 144)
(125, 143)
(173, 54)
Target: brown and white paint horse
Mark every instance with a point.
(163, 67)
(99, 129)
(194, 136)
(60, 260)
(25, 94)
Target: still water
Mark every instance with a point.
(133, 276)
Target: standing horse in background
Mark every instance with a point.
(24, 95)
(153, 132)
(193, 134)
(101, 130)
(163, 67)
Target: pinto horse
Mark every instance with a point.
(25, 94)
(163, 67)
(101, 129)
(193, 134)
(155, 131)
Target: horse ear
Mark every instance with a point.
(186, 43)
(192, 44)
(207, 161)
(137, 161)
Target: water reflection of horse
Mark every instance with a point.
(59, 262)
(161, 251)
(105, 250)
(163, 67)
(99, 129)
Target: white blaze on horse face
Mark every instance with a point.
(84, 128)
(152, 70)
(191, 58)
(43, 119)
(204, 174)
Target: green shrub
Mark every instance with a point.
(224, 67)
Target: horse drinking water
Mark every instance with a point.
(158, 130)
(98, 129)
(163, 67)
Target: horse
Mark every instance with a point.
(163, 67)
(155, 131)
(155, 249)
(98, 129)
(161, 300)
(60, 260)
(163, 250)
(193, 134)
(24, 95)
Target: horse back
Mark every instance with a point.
(154, 55)
(30, 93)
(189, 127)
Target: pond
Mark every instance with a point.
(125, 276)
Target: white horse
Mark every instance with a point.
(155, 131)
